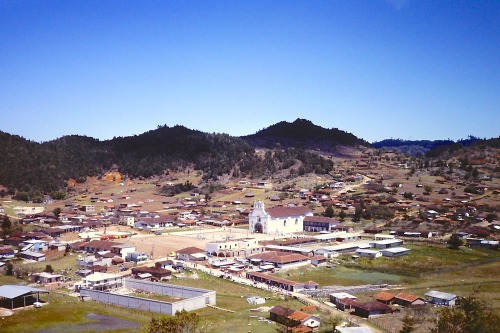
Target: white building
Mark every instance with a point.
(127, 220)
(100, 281)
(368, 253)
(35, 245)
(277, 220)
(234, 247)
(386, 243)
(395, 252)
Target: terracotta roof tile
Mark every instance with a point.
(407, 297)
(384, 296)
(288, 211)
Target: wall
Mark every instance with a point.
(193, 298)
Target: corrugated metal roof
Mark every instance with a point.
(440, 295)
(11, 291)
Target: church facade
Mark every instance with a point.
(277, 220)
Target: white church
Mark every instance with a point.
(277, 220)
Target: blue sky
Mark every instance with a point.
(409, 69)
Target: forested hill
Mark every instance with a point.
(27, 166)
(432, 148)
(411, 147)
(304, 134)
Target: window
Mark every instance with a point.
(284, 223)
(258, 220)
(296, 221)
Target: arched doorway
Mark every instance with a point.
(258, 228)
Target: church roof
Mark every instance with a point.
(288, 211)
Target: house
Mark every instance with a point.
(127, 220)
(384, 297)
(99, 245)
(165, 264)
(386, 243)
(45, 277)
(91, 261)
(53, 232)
(35, 245)
(348, 237)
(320, 223)
(294, 318)
(30, 255)
(122, 249)
(280, 259)
(368, 253)
(234, 247)
(137, 257)
(405, 299)
(155, 222)
(370, 309)
(154, 272)
(311, 285)
(100, 281)
(340, 300)
(395, 252)
(277, 220)
(191, 253)
(6, 253)
(318, 261)
(58, 246)
(441, 298)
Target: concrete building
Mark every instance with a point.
(395, 252)
(100, 281)
(234, 247)
(441, 298)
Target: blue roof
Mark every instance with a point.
(12, 291)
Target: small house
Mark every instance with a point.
(45, 277)
(191, 253)
(441, 298)
(395, 252)
(370, 309)
(368, 253)
(30, 255)
(385, 297)
(340, 300)
(405, 299)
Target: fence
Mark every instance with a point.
(192, 298)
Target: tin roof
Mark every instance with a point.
(11, 291)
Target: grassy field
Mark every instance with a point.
(340, 275)
(66, 310)
(426, 259)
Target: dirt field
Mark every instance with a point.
(162, 245)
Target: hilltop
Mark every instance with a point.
(304, 134)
